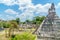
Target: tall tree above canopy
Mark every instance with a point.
(27, 21)
(18, 20)
(38, 20)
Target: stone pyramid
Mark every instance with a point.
(50, 26)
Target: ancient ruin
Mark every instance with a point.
(50, 27)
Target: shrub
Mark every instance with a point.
(24, 36)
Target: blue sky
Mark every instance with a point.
(26, 9)
(45, 1)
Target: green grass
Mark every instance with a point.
(24, 36)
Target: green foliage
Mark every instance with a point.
(23, 22)
(1, 24)
(5, 25)
(17, 20)
(24, 36)
(38, 20)
(28, 21)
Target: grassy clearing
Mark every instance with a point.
(24, 36)
(2, 33)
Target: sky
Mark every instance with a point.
(26, 9)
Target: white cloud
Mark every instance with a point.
(42, 8)
(13, 2)
(39, 8)
(10, 11)
(27, 4)
(58, 5)
(24, 1)
(10, 17)
(8, 2)
(27, 7)
(24, 4)
(26, 15)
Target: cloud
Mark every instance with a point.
(42, 8)
(26, 4)
(8, 2)
(10, 11)
(27, 8)
(26, 15)
(58, 5)
(13, 2)
(9, 17)
(30, 10)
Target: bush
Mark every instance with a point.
(24, 36)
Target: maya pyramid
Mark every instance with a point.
(50, 25)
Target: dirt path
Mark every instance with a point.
(2, 37)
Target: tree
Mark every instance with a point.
(27, 21)
(4, 24)
(38, 20)
(1, 24)
(17, 20)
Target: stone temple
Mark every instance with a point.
(50, 27)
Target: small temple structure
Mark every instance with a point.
(50, 27)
